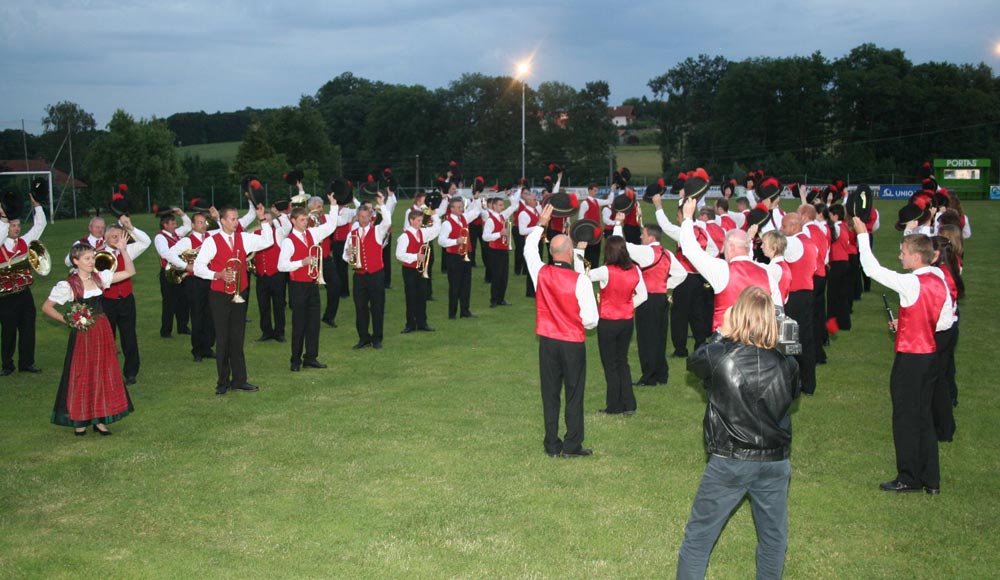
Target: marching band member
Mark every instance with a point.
(527, 219)
(496, 235)
(591, 208)
(838, 289)
(298, 258)
(222, 260)
(803, 260)
(94, 238)
(119, 302)
(773, 244)
(195, 289)
(456, 241)
(364, 245)
(565, 307)
(330, 278)
(343, 192)
(173, 303)
(413, 250)
(17, 307)
(271, 281)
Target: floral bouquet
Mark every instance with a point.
(79, 317)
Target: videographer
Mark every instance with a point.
(748, 433)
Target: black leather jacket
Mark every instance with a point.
(749, 392)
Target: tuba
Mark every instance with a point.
(105, 260)
(234, 265)
(315, 268)
(15, 274)
(175, 275)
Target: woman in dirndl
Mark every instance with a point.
(91, 391)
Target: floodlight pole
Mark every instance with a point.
(524, 140)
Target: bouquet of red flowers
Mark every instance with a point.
(79, 317)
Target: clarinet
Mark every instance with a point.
(888, 312)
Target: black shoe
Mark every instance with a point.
(680, 354)
(431, 299)
(264, 338)
(362, 344)
(377, 345)
(469, 315)
(313, 364)
(185, 331)
(129, 380)
(196, 358)
(932, 490)
(221, 389)
(493, 304)
(425, 328)
(388, 287)
(248, 387)
(167, 335)
(503, 303)
(643, 384)
(329, 322)
(581, 452)
(406, 330)
(553, 454)
(5, 372)
(450, 317)
(607, 412)
(280, 338)
(103, 433)
(628, 413)
(209, 354)
(32, 369)
(295, 367)
(80, 433)
(899, 487)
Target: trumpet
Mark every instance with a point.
(105, 260)
(505, 235)
(463, 247)
(234, 266)
(176, 275)
(354, 253)
(424, 261)
(315, 268)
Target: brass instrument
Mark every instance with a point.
(424, 261)
(315, 219)
(638, 213)
(176, 275)
(315, 268)
(105, 260)
(235, 266)
(586, 272)
(354, 253)
(251, 265)
(428, 217)
(507, 232)
(463, 247)
(14, 273)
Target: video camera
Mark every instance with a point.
(788, 333)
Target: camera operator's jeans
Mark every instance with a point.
(723, 485)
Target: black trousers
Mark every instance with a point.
(332, 288)
(593, 254)
(651, 327)
(416, 298)
(498, 263)
(867, 282)
(942, 408)
(427, 282)
(519, 268)
(386, 255)
(475, 236)
(173, 304)
(459, 284)
(687, 312)
(632, 234)
(819, 317)
(271, 304)
(229, 319)
(911, 385)
(202, 328)
(838, 294)
(856, 283)
(337, 252)
(369, 304)
(550, 235)
(703, 330)
(613, 340)
(560, 364)
(121, 315)
(800, 308)
(17, 318)
(303, 297)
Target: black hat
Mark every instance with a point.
(13, 204)
(456, 171)
(657, 187)
(696, 184)
(548, 184)
(586, 231)
(293, 177)
(368, 189)
(813, 194)
(758, 216)
(442, 185)
(769, 188)
(909, 212)
(925, 171)
(282, 204)
(835, 192)
(929, 183)
(563, 204)
(433, 199)
(941, 198)
(119, 205)
(200, 205)
(250, 184)
(623, 202)
(626, 174)
(39, 185)
(342, 190)
(162, 212)
(555, 169)
(478, 184)
(859, 202)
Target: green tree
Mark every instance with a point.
(66, 115)
(404, 122)
(345, 103)
(299, 133)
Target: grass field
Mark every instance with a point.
(644, 161)
(212, 151)
(425, 460)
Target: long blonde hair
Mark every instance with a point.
(752, 318)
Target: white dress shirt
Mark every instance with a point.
(584, 288)
(251, 243)
(716, 270)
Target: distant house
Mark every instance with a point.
(60, 180)
(622, 116)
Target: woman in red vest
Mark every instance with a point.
(91, 391)
(622, 289)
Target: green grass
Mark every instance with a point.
(212, 151)
(425, 460)
(644, 161)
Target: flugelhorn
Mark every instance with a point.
(234, 266)
(354, 252)
(424, 260)
(315, 268)
(463, 247)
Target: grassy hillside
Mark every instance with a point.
(221, 151)
(644, 161)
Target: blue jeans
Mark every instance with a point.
(723, 485)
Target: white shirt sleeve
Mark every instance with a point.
(61, 293)
(532, 257)
(247, 219)
(257, 242)
(588, 304)
(677, 272)
(488, 234)
(38, 226)
(523, 219)
(714, 270)
(161, 245)
(967, 229)
(640, 292)
(185, 227)
(205, 255)
(444, 238)
(794, 250)
(285, 263)
(383, 228)
(174, 254)
(673, 232)
(142, 242)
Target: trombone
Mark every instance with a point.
(315, 268)
(235, 266)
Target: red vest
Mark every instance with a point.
(172, 240)
(838, 250)
(122, 289)
(498, 226)
(371, 252)
(325, 242)
(917, 322)
(457, 225)
(874, 217)
(655, 275)
(222, 256)
(300, 252)
(557, 309)
(631, 216)
(532, 215)
(702, 237)
(821, 240)
(616, 297)
(266, 260)
(717, 233)
(785, 282)
(805, 268)
(100, 243)
(742, 273)
(22, 279)
(727, 224)
(558, 223)
(196, 242)
(852, 242)
(592, 211)
(413, 246)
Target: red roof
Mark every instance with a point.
(58, 176)
(627, 111)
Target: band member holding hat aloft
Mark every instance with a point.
(91, 391)
(119, 302)
(476, 230)
(565, 307)
(17, 305)
(195, 289)
(527, 219)
(497, 234)
(838, 298)
(456, 241)
(729, 275)
(802, 258)
(94, 238)
(343, 192)
(924, 308)
(222, 259)
(298, 257)
(661, 272)
(272, 283)
(591, 207)
(622, 291)
(173, 303)
(413, 250)
(363, 251)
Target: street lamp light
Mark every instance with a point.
(523, 69)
